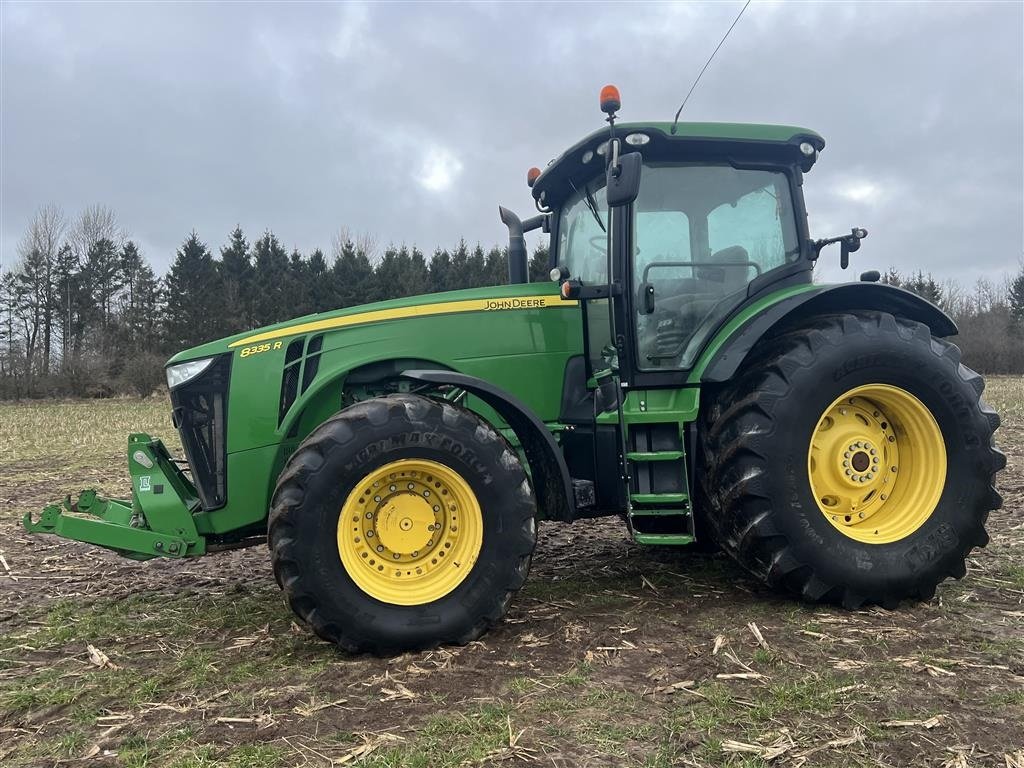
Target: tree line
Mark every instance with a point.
(82, 312)
(990, 315)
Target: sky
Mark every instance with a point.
(411, 122)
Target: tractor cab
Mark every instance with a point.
(718, 217)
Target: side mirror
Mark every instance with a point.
(847, 244)
(623, 180)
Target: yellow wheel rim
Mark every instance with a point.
(410, 532)
(877, 463)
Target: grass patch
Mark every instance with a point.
(80, 430)
(450, 739)
(1006, 395)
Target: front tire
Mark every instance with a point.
(402, 523)
(852, 461)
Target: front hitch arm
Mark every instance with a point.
(156, 522)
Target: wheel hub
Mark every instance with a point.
(410, 532)
(854, 463)
(405, 524)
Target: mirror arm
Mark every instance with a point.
(847, 244)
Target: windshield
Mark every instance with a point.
(582, 239)
(702, 233)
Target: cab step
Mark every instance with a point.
(659, 498)
(654, 455)
(663, 538)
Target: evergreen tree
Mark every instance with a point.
(270, 281)
(236, 276)
(352, 277)
(476, 268)
(102, 273)
(540, 269)
(73, 304)
(318, 289)
(892, 277)
(442, 275)
(1015, 298)
(29, 302)
(416, 278)
(924, 286)
(496, 266)
(194, 299)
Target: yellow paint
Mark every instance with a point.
(410, 532)
(258, 349)
(877, 463)
(510, 303)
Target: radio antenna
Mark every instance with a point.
(707, 63)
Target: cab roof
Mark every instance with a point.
(736, 142)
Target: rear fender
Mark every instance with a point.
(826, 299)
(551, 481)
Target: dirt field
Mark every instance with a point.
(612, 655)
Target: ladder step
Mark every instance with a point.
(663, 538)
(658, 498)
(654, 455)
(658, 512)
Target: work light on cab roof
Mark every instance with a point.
(396, 456)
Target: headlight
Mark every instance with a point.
(182, 372)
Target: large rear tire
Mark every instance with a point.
(852, 461)
(402, 523)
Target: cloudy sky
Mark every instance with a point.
(411, 122)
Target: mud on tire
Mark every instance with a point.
(325, 468)
(755, 438)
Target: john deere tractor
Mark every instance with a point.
(680, 370)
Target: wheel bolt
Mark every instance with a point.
(380, 548)
(395, 555)
(860, 515)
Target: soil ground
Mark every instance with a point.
(613, 654)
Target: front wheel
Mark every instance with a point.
(402, 523)
(852, 461)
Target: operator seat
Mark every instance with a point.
(725, 273)
(733, 273)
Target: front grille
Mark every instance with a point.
(200, 409)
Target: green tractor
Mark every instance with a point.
(681, 370)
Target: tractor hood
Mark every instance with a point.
(492, 298)
(520, 335)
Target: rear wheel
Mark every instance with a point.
(402, 523)
(852, 461)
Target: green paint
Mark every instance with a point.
(156, 522)
(737, 322)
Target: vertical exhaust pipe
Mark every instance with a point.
(517, 267)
